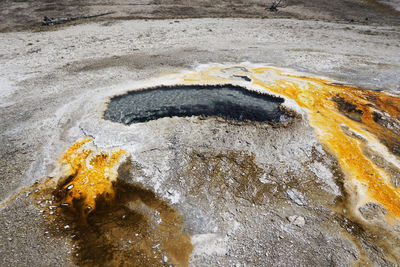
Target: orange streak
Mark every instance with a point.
(93, 173)
(315, 96)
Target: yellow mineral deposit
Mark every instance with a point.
(321, 100)
(89, 174)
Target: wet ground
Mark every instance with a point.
(135, 228)
(227, 102)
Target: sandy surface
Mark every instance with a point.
(393, 3)
(54, 86)
(20, 15)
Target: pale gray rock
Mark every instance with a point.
(296, 196)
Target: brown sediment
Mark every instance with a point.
(235, 171)
(360, 129)
(349, 109)
(347, 149)
(381, 115)
(366, 232)
(394, 172)
(353, 108)
(133, 227)
(238, 174)
(136, 228)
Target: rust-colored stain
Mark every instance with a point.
(89, 174)
(112, 223)
(372, 117)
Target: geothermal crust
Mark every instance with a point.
(243, 193)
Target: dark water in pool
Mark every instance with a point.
(226, 101)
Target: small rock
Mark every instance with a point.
(297, 220)
(296, 196)
(372, 211)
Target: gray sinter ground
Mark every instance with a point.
(54, 86)
(233, 184)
